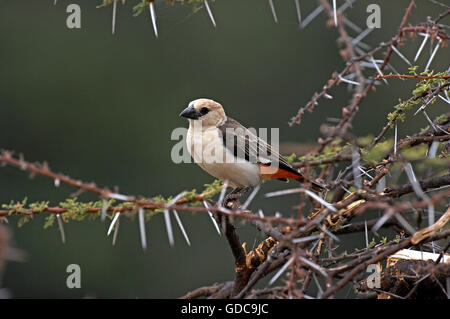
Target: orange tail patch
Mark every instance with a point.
(267, 171)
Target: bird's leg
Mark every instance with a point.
(231, 201)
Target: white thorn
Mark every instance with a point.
(364, 173)
(222, 194)
(142, 228)
(381, 222)
(421, 47)
(57, 182)
(153, 15)
(116, 232)
(353, 26)
(423, 107)
(433, 149)
(414, 183)
(314, 266)
(299, 14)
(104, 210)
(319, 287)
(320, 200)
(175, 199)
(362, 35)
(272, 8)
(210, 13)
(419, 192)
(61, 228)
(400, 55)
(260, 213)
(111, 226)
(334, 13)
(114, 16)
(381, 185)
(366, 234)
(348, 81)
(168, 226)
(307, 238)
(330, 234)
(395, 140)
(119, 197)
(355, 165)
(212, 217)
(377, 68)
(311, 16)
(282, 270)
(180, 224)
(444, 99)
(54, 2)
(433, 54)
(405, 224)
(250, 197)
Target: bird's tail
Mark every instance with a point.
(315, 186)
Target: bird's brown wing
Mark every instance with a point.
(245, 145)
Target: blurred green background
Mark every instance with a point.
(101, 108)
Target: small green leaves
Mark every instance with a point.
(413, 69)
(49, 220)
(378, 152)
(291, 158)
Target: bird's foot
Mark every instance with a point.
(232, 200)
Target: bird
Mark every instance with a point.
(230, 152)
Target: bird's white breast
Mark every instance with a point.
(206, 148)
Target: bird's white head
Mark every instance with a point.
(208, 112)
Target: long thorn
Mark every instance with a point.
(168, 226)
(142, 228)
(272, 8)
(361, 36)
(210, 13)
(400, 55)
(250, 197)
(61, 228)
(281, 271)
(311, 16)
(114, 16)
(320, 200)
(421, 47)
(111, 226)
(104, 210)
(334, 13)
(212, 217)
(153, 15)
(395, 141)
(180, 224)
(433, 54)
(299, 14)
(222, 194)
(116, 232)
(366, 234)
(377, 68)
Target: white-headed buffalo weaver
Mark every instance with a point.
(230, 152)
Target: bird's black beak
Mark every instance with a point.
(191, 113)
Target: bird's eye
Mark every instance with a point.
(204, 110)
